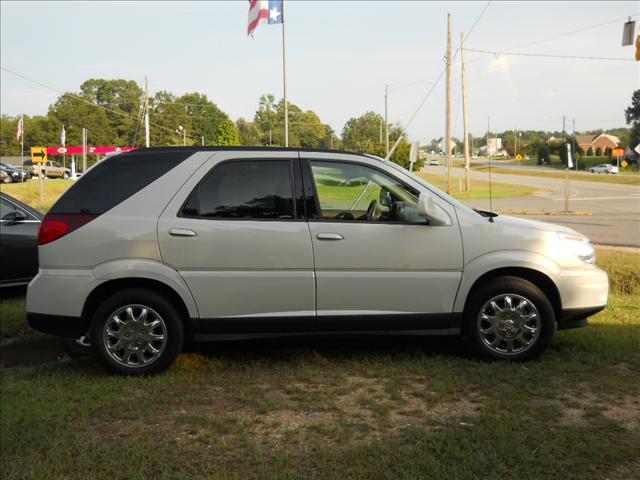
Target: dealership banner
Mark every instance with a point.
(90, 150)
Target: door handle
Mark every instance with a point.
(329, 236)
(182, 232)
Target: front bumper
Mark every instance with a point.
(583, 292)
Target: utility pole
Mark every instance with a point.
(448, 119)
(284, 79)
(386, 120)
(146, 113)
(574, 144)
(489, 158)
(465, 115)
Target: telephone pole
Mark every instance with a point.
(465, 115)
(146, 113)
(386, 121)
(448, 120)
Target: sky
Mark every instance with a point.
(340, 56)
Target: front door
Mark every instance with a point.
(236, 236)
(379, 265)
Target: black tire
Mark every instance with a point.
(149, 299)
(78, 347)
(520, 288)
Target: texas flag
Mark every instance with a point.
(264, 11)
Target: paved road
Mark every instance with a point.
(616, 208)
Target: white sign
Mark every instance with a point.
(569, 159)
(413, 154)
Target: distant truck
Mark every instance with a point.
(48, 169)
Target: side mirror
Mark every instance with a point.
(428, 208)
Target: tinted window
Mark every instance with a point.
(114, 180)
(244, 189)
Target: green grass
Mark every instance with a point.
(627, 179)
(29, 192)
(387, 408)
(479, 188)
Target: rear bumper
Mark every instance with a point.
(62, 326)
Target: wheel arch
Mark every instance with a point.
(536, 277)
(108, 288)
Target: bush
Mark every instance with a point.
(598, 152)
(608, 152)
(590, 152)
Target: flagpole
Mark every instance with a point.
(22, 149)
(284, 78)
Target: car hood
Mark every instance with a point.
(527, 224)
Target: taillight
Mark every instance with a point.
(56, 225)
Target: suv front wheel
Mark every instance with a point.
(509, 318)
(136, 332)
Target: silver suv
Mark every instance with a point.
(159, 245)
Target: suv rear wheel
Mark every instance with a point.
(136, 332)
(509, 318)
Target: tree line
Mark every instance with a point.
(113, 113)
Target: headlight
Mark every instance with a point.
(579, 246)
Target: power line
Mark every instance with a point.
(548, 55)
(433, 86)
(554, 37)
(84, 100)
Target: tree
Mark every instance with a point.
(250, 133)
(608, 152)
(265, 117)
(590, 152)
(599, 152)
(362, 134)
(542, 153)
(227, 134)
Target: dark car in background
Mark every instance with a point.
(13, 174)
(19, 225)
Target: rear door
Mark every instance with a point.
(237, 237)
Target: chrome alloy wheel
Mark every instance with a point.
(134, 335)
(509, 324)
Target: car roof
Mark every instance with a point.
(195, 149)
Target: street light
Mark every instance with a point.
(183, 131)
(388, 88)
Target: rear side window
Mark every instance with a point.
(244, 189)
(114, 180)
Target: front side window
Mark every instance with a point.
(352, 192)
(56, 164)
(244, 190)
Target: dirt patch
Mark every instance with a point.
(32, 353)
(624, 410)
(356, 409)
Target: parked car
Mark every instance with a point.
(13, 174)
(604, 168)
(49, 169)
(18, 241)
(433, 162)
(223, 243)
(5, 177)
